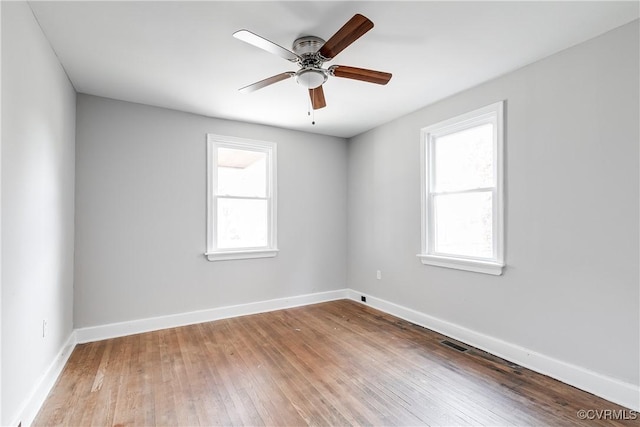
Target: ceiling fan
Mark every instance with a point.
(310, 53)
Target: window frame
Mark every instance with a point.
(493, 113)
(214, 253)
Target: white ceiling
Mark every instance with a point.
(181, 55)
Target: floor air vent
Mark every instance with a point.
(454, 346)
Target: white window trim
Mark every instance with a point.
(271, 250)
(427, 256)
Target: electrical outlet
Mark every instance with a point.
(44, 328)
(379, 274)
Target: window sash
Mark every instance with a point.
(217, 248)
(431, 233)
(235, 146)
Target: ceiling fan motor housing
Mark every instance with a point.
(307, 45)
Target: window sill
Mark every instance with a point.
(485, 267)
(245, 254)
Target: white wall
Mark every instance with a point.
(38, 145)
(141, 223)
(570, 288)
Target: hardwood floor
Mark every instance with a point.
(335, 363)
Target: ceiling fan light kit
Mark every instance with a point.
(310, 53)
(311, 78)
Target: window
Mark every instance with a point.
(462, 200)
(241, 204)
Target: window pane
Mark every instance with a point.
(241, 223)
(463, 224)
(241, 173)
(464, 160)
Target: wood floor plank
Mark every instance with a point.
(221, 398)
(304, 395)
(309, 367)
(337, 363)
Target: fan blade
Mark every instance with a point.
(264, 44)
(317, 98)
(350, 32)
(266, 82)
(371, 76)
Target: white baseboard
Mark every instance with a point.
(29, 409)
(113, 330)
(614, 390)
